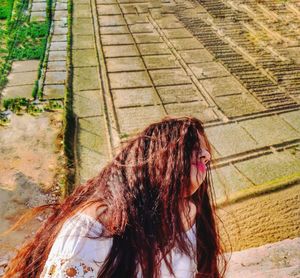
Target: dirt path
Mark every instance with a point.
(30, 167)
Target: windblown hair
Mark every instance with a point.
(140, 191)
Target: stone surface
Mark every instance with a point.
(238, 105)
(85, 79)
(58, 15)
(135, 19)
(25, 66)
(223, 86)
(84, 58)
(57, 38)
(192, 109)
(55, 77)
(169, 77)
(181, 93)
(134, 94)
(87, 103)
(129, 80)
(134, 119)
(269, 167)
(92, 146)
(230, 139)
(108, 9)
(21, 78)
(161, 62)
(60, 30)
(18, 91)
(57, 55)
(82, 10)
(270, 130)
(128, 9)
(61, 6)
(38, 16)
(141, 28)
(54, 91)
(56, 66)
(169, 22)
(91, 163)
(116, 39)
(38, 6)
(196, 56)
(147, 38)
(135, 97)
(82, 26)
(208, 70)
(83, 42)
(111, 20)
(292, 118)
(228, 180)
(58, 46)
(120, 50)
(124, 64)
(109, 30)
(153, 49)
(177, 33)
(185, 44)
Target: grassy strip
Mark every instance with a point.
(25, 40)
(29, 41)
(17, 18)
(69, 120)
(265, 188)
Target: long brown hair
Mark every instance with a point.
(140, 190)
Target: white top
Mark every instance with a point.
(75, 255)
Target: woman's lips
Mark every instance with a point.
(200, 166)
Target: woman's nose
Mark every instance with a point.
(205, 156)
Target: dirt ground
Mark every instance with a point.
(264, 219)
(30, 159)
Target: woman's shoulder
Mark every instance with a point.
(80, 235)
(78, 250)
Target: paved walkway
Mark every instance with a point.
(55, 69)
(138, 61)
(135, 62)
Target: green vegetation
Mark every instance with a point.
(6, 8)
(24, 105)
(29, 41)
(22, 39)
(53, 105)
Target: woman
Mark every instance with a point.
(148, 213)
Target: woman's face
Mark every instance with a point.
(198, 168)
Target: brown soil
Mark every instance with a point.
(30, 156)
(261, 220)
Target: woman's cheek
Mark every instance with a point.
(197, 177)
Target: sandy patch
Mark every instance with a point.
(30, 156)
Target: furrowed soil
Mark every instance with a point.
(264, 219)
